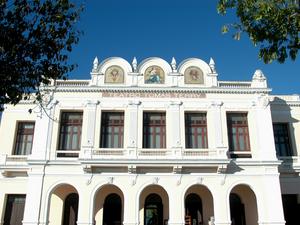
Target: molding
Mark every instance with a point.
(185, 89)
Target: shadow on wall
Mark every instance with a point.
(281, 105)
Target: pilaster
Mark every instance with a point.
(132, 126)
(34, 196)
(176, 208)
(130, 208)
(221, 216)
(43, 133)
(174, 133)
(216, 120)
(89, 123)
(84, 209)
(263, 122)
(269, 204)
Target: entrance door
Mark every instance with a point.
(153, 210)
(71, 209)
(237, 210)
(193, 210)
(14, 210)
(112, 213)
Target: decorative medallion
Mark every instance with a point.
(114, 75)
(154, 75)
(193, 75)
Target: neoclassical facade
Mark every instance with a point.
(152, 143)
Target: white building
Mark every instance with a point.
(152, 144)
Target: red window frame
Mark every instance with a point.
(153, 128)
(22, 138)
(75, 128)
(241, 130)
(195, 126)
(110, 128)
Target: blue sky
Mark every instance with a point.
(167, 28)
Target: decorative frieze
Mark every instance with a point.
(133, 94)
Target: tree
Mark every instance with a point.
(35, 39)
(273, 25)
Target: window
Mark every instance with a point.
(154, 132)
(24, 138)
(14, 210)
(282, 139)
(195, 130)
(112, 130)
(70, 131)
(238, 134)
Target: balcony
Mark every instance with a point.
(147, 160)
(150, 153)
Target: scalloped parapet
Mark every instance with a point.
(156, 73)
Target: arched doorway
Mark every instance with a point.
(193, 210)
(199, 206)
(153, 206)
(63, 205)
(71, 209)
(153, 210)
(108, 206)
(112, 212)
(243, 206)
(237, 210)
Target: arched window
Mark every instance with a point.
(153, 210)
(71, 209)
(237, 210)
(193, 210)
(112, 213)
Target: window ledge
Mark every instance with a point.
(67, 153)
(13, 159)
(240, 154)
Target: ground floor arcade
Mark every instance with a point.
(145, 199)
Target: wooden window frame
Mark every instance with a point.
(245, 133)
(153, 124)
(202, 125)
(105, 124)
(14, 209)
(25, 133)
(287, 137)
(63, 134)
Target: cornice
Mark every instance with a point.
(213, 90)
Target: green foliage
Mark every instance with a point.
(273, 25)
(35, 39)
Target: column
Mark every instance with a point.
(176, 210)
(88, 134)
(221, 204)
(215, 119)
(132, 127)
(131, 206)
(34, 196)
(174, 129)
(84, 210)
(261, 114)
(269, 204)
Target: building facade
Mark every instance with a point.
(152, 143)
